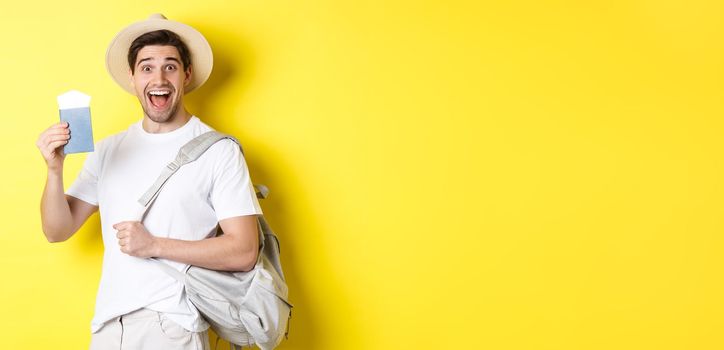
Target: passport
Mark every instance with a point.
(75, 110)
(81, 133)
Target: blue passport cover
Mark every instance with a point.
(81, 134)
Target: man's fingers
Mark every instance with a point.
(120, 225)
(54, 144)
(54, 130)
(125, 225)
(60, 125)
(56, 138)
(51, 141)
(51, 135)
(55, 135)
(125, 231)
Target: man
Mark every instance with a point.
(138, 305)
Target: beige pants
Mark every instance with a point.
(146, 330)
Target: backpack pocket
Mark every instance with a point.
(265, 312)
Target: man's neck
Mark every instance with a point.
(177, 121)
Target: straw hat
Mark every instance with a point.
(202, 58)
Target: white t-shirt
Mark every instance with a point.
(190, 205)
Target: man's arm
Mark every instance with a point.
(236, 250)
(60, 214)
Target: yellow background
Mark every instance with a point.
(444, 175)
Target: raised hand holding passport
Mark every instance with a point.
(50, 144)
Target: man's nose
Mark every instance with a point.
(159, 76)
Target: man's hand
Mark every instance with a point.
(135, 240)
(50, 144)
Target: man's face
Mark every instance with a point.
(159, 81)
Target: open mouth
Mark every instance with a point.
(159, 98)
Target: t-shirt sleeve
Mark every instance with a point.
(85, 186)
(232, 193)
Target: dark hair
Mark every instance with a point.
(159, 37)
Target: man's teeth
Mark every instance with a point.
(159, 93)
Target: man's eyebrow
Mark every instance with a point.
(167, 59)
(144, 59)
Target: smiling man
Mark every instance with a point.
(138, 305)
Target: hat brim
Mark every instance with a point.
(202, 59)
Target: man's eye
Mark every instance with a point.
(146, 69)
(170, 67)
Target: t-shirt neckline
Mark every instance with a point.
(165, 135)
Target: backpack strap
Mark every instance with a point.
(187, 154)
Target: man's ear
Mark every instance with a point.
(188, 72)
(130, 77)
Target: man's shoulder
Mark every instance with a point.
(224, 147)
(199, 127)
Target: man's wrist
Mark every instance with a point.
(158, 244)
(55, 172)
